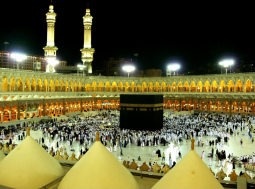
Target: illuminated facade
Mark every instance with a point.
(28, 64)
(26, 94)
(87, 52)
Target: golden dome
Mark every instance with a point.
(98, 168)
(29, 166)
(189, 172)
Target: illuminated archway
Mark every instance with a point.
(71, 107)
(57, 86)
(231, 87)
(210, 105)
(252, 108)
(144, 87)
(62, 86)
(76, 106)
(45, 85)
(20, 84)
(133, 87)
(27, 85)
(239, 86)
(203, 105)
(126, 87)
(244, 107)
(75, 86)
(222, 87)
(168, 104)
(12, 84)
(248, 86)
(199, 87)
(195, 105)
(120, 87)
(99, 105)
(207, 86)
(186, 87)
(190, 105)
(101, 86)
(218, 106)
(174, 88)
(1, 114)
(40, 85)
(47, 109)
(163, 86)
(193, 87)
(14, 113)
(214, 86)
(66, 107)
(72, 86)
(87, 87)
(67, 86)
(51, 87)
(4, 84)
(179, 87)
(234, 107)
(157, 87)
(7, 113)
(150, 87)
(80, 87)
(107, 87)
(106, 105)
(176, 105)
(139, 88)
(112, 105)
(169, 88)
(33, 85)
(225, 106)
(114, 87)
(184, 106)
(94, 86)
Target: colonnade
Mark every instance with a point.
(30, 109)
(232, 93)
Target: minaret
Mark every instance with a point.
(50, 49)
(87, 52)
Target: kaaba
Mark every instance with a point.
(141, 112)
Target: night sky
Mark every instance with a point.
(194, 34)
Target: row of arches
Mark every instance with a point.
(11, 113)
(9, 85)
(31, 110)
(215, 106)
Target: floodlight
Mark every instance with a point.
(128, 69)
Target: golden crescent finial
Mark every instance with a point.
(97, 136)
(192, 143)
(28, 131)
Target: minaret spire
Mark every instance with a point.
(50, 50)
(87, 52)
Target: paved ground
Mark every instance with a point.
(133, 151)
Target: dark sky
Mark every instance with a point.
(194, 34)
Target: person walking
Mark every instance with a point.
(170, 160)
(163, 156)
(210, 161)
(150, 162)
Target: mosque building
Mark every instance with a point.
(30, 94)
(27, 94)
